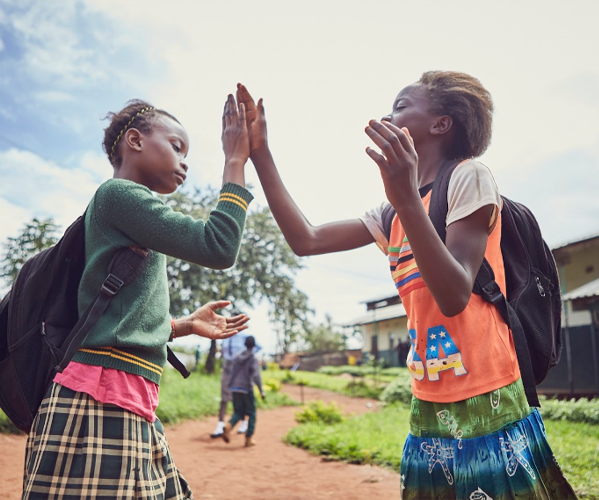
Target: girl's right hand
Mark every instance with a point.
(255, 119)
(235, 138)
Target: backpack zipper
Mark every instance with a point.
(540, 287)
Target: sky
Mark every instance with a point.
(324, 68)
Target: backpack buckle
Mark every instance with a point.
(492, 293)
(112, 285)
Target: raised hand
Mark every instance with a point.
(206, 323)
(398, 162)
(235, 138)
(255, 118)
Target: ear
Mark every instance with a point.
(441, 125)
(133, 139)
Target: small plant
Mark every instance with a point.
(272, 384)
(288, 378)
(361, 389)
(318, 411)
(398, 391)
(272, 366)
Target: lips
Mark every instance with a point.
(181, 175)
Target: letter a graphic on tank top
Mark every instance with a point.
(439, 339)
(414, 362)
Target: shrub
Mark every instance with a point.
(318, 411)
(582, 410)
(272, 384)
(398, 391)
(359, 388)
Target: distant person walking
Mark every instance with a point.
(229, 349)
(245, 373)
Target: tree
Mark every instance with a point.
(36, 236)
(264, 270)
(324, 337)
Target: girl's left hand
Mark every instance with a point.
(206, 323)
(236, 142)
(398, 163)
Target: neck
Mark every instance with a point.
(123, 172)
(429, 163)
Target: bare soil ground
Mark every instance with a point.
(271, 470)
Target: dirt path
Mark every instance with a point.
(270, 470)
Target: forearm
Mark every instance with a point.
(294, 225)
(303, 237)
(448, 281)
(234, 172)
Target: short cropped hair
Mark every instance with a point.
(144, 116)
(469, 104)
(250, 342)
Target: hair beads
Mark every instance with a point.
(118, 138)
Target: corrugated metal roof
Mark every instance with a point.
(591, 289)
(382, 314)
(574, 242)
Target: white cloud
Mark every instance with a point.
(33, 186)
(52, 47)
(53, 96)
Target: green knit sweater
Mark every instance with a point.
(132, 333)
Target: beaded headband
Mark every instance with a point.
(118, 137)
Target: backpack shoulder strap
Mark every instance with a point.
(126, 265)
(387, 217)
(438, 207)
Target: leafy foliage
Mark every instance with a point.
(581, 410)
(399, 390)
(324, 337)
(318, 411)
(36, 236)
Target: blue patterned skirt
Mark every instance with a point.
(512, 463)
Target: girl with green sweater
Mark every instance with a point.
(96, 434)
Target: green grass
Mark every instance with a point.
(576, 446)
(378, 438)
(359, 387)
(371, 438)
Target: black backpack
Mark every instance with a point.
(532, 307)
(40, 328)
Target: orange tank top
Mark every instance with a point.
(452, 359)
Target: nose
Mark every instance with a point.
(386, 118)
(184, 165)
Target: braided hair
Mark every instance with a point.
(469, 104)
(136, 113)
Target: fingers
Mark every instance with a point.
(229, 111)
(401, 132)
(242, 113)
(237, 321)
(244, 96)
(378, 158)
(392, 144)
(261, 108)
(225, 335)
(218, 304)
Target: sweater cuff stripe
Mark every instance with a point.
(236, 190)
(234, 199)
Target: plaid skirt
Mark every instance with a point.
(79, 448)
